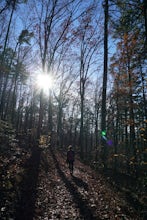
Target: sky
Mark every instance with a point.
(23, 19)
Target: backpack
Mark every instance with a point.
(70, 155)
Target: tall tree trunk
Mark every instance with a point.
(50, 113)
(96, 123)
(8, 29)
(131, 109)
(103, 109)
(81, 127)
(2, 61)
(145, 19)
(60, 125)
(144, 101)
(41, 111)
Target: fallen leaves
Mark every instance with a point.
(86, 195)
(58, 195)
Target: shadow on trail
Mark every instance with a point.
(80, 183)
(82, 204)
(26, 204)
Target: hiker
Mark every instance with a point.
(70, 158)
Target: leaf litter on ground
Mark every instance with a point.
(85, 195)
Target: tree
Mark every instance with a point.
(129, 29)
(97, 103)
(104, 88)
(15, 74)
(53, 15)
(62, 100)
(128, 81)
(7, 65)
(145, 21)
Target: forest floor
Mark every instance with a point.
(49, 192)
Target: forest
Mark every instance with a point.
(73, 72)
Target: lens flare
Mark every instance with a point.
(45, 82)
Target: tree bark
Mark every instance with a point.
(103, 109)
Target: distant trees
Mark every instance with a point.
(53, 38)
(12, 72)
(128, 71)
(89, 39)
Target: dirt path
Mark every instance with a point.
(86, 195)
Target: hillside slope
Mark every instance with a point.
(48, 191)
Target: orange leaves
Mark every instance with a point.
(126, 38)
(143, 134)
(142, 129)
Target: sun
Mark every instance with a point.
(45, 82)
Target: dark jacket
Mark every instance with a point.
(70, 156)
